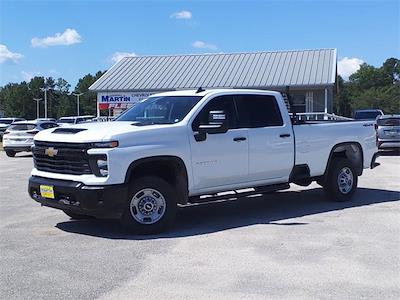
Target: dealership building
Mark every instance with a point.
(307, 76)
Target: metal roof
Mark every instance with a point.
(223, 70)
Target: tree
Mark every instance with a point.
(370, 87)
(17, 101)
(342, 101)
(88, 101)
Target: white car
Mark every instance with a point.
(19, 135)
(74, 120)
(191, 146)
(5, 122)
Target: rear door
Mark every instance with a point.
(271, 142)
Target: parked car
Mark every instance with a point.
(19, 135)
(5, 122)
(73, 120)
(388, 131)
(191, 146)
(47, 119)
(367, 114)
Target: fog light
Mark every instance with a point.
(103, 166)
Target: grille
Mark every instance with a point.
(64, 158)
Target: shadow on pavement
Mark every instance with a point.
(271, 209)
(20, 155)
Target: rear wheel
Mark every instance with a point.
(10, 153)
(341, 180)
(151, 205)
(76, 216)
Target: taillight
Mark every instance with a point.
(33, 132)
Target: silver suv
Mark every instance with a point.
(388, 131)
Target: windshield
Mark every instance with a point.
(70, 121)
(367, 115)
(18, 127)
(160, 110)
(5, 121)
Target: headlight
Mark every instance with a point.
(111, 144)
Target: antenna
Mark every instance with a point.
(199, 90)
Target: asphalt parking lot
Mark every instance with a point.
(288, 245)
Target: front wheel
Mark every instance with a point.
(341, 180)
(10, 153)
(151, 205)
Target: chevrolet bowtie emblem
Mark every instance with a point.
(50, 151)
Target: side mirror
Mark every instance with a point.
(217, 123)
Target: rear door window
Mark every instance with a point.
(256, 111)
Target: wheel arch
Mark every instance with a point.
(170, 168)
(350, 150)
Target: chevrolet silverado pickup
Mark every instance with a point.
(182, 147)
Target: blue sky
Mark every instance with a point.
(72, 38)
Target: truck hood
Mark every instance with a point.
(90, 132)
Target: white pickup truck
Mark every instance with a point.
(190, 146)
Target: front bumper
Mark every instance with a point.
(98, 201)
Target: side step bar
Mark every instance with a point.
(239, 193)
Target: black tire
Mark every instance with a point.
(340, 170)
(10, 153)
(153, 213)
(76, 216)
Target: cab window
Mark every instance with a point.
(258, 111)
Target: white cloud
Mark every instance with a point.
(68, 37)
(6, 54)
(117, 56)
(204, 45)
(348, 66)
(28, 75)
(184, 14)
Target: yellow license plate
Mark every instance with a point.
(47, 191)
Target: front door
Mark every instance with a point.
(221, 159)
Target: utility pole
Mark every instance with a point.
(45, 89)
(77, 102)
(37, 107)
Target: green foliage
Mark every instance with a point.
(370, 87)
(16, 99)
(88, 100)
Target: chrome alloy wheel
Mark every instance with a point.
(147, 206)
(345, 180)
